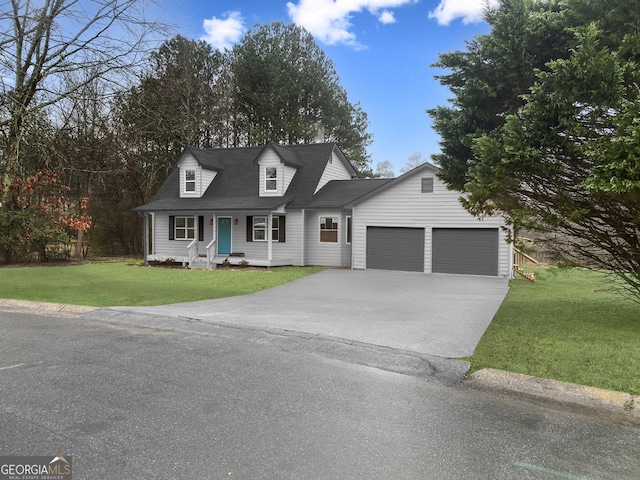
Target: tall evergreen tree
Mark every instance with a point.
(288, 91)
(559, 150)
(172, 107)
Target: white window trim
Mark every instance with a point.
(185, 228)
(194, 181)
(320, 230)
(348, 223)
(273, 179)
(266, 228)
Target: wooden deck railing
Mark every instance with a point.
(524, 265)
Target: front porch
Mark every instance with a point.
(201, 261)
(208, 239)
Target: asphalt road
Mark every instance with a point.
(134, 403)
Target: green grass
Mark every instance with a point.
(132, 284)
(569, 326)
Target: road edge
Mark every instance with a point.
(621, 404)
(44, 307)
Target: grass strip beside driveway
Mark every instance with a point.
(568, 326)
(129, 283)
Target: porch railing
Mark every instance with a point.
(193, 252)
(524, 265)
(211, 254)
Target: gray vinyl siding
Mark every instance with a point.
(163, 248)
(335, 170)
(325, 253)
(271, 159)
(404, 205)
(203, 177)
(291, 249)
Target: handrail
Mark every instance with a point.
(211, 254)
(193, 251)
(524, 265)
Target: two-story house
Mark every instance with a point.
(303, 205)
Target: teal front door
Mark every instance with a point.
(224, 235)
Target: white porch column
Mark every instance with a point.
(304, 238)
(214, 225)
(353, 222)
(270, 238)
(146, 238)
(196, 226)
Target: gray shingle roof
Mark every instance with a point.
(289, 156)
(236, 185)
(338, 193)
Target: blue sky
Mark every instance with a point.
(382, 51)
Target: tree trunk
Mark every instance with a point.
(80, 240)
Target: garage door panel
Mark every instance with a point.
(471, 251)
(395, 248)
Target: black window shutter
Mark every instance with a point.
(281, 229)
(249, 229)
(172, 227)
(201, 229)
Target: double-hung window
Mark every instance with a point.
(185, 228)
(270, 179)
(329, 229)
(190, 181)
(259, 229)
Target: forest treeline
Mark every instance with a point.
(92, 125)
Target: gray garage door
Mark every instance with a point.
(472, 251)
(391, 248)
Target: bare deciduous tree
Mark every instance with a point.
(43, 42)
(414, 160)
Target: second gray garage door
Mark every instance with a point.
(472, 251)
(395, 248)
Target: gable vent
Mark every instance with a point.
(427, 185)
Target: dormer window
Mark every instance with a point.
(271, 179)
(190, 181)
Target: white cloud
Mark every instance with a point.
(387, 17)
(222, 33)
(469, 10)
(330, 20)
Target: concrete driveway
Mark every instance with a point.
(441, 315)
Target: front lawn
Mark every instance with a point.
(130, 283)
(568, 326)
